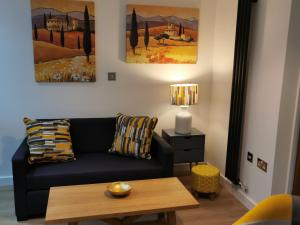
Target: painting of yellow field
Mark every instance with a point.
(63, 34)
(160, 34)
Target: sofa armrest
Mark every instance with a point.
(20, 158)
(164, 153)
(19, 167)
(21, 155)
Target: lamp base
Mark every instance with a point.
(183, 123)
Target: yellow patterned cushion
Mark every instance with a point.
(49, 141)
(133, 136)
(205, 178)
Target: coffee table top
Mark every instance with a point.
(92, 201)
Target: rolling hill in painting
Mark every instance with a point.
(155, 21)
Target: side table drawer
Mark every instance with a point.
(191, 141)
(188, 155)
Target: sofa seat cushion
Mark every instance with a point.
(92, 168)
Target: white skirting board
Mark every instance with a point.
(6, 181)
(238, 193)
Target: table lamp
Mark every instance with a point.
(184, 95)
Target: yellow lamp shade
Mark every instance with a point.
(184, 94)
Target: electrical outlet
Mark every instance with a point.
(112, 76)
(261, 164)
(250, 157)
(244, 187)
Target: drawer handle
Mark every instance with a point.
(187, 150)
(187, 137)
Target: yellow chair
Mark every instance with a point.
(206, 179)
(275, 210)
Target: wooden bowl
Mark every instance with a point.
(119, 189)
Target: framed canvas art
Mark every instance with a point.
(160, 34)
(63, 34)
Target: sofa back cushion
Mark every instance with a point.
(49, 141)
(92, 135)
(133, 136)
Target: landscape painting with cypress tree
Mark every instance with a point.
(160, 34)
(63, 40)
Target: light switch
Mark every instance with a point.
(112, 76)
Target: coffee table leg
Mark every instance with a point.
(161, 218)
(171, 218)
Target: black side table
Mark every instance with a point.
(187, 148)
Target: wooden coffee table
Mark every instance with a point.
(73, 204)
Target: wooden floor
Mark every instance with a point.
(224, 210)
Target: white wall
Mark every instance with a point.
(267, 62)
(139, 89)
(294, 142)
(286, 145)
(272, 96)
(224, 41)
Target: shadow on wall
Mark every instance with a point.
(8, 147)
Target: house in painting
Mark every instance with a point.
(55, 24)
(74, 25)
(171, 30)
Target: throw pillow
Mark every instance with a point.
(133, 136)
(49, 141)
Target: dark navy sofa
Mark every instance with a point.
(91, 140)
